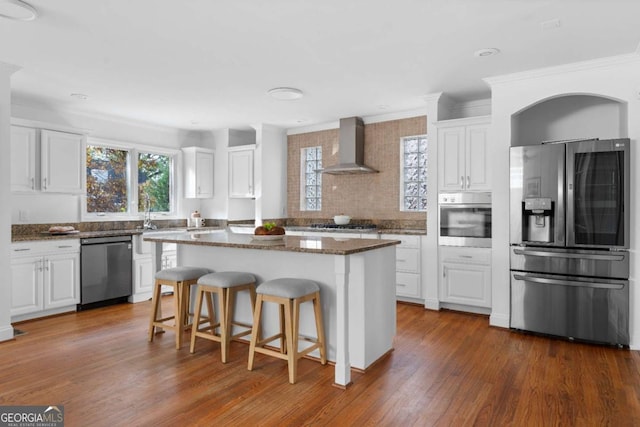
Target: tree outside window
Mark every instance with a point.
(154, 182)
(111, 177)
(107, 180)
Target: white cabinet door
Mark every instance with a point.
(143, 275)
(466, 284)
(204, 175)
(463, 155)
(26, 285)
(451, 146)
(465, 276)
(23, 159)
(476, 160)
(61, 162)
(241, 173)
(198, 173)
(61, 280)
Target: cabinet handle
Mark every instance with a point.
(39, 265)
(465, 256)
(461, 181)
(402, 285)
(401, 260)
(46, 265)
(64, 246)
(22, 250)
(468, 181)
(33, 183)
(444, 272)
(44, 183)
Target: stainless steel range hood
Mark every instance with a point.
(350, 149)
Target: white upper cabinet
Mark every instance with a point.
(61, 162)
(23, 159)
(198, 173)
(241, 172)
(463, 162)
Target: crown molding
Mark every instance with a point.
(608, 62)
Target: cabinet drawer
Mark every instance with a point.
(45, 247)
(466, 255)
(406, 241)
(408, 260)
(408, 284)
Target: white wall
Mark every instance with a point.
(6, 70)
(617, 78)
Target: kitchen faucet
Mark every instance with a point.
(147, 225)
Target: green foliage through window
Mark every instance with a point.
(154, 182)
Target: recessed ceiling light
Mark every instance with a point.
(81, 96)
(17, 10)
(285, 93)
(486, 52)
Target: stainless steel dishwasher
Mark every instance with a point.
(105, 270)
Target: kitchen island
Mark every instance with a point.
(356, 278)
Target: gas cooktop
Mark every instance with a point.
(345, 227)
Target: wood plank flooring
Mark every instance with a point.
(447, 369)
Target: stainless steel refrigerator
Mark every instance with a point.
(569, 233)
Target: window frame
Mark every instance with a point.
(402, 173)
(303, 179)
(132, 181)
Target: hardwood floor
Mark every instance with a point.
(447, 369)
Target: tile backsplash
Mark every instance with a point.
(364, 197)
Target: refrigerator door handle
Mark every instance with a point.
(565, 282)
(569, 255)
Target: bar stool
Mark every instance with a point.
(226, 285)
(289, 294)
(180, 279)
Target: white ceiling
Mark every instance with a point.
(176, 62)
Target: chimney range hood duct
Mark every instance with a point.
(350, 149)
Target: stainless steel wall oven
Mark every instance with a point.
(569, 237)
(465, 219)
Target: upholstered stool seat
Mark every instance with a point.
(289, 293)
(180, 279)
(226, 285)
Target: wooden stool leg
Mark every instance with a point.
(225, 328)
(288, 330)
(196, 319)
(155, 303)
(320, 328)
(283, 325)
(255, 334)
(177, 313)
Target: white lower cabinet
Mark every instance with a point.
(45, 278)
(465, 276)
(408, 277)
(143, 276)
(143, 269)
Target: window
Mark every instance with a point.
(107, 180)
(154, 180)
(118, 185)
(413, 170)
(311, 179)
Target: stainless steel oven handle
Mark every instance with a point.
(547, 281)
(568, 255)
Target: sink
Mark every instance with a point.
(242, 229)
